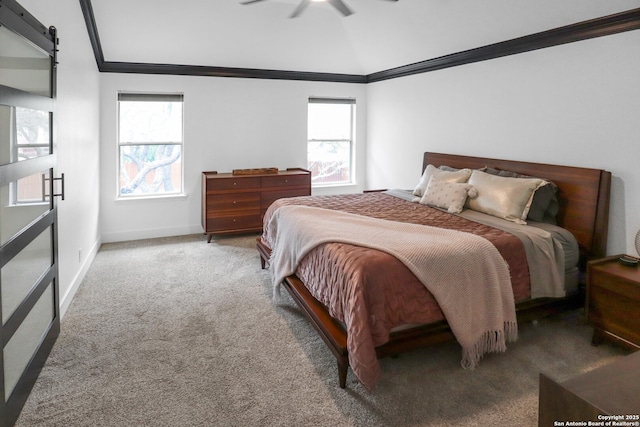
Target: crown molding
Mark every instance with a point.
(92, 30)
(598, 27)
(247, 73)
(603, 26)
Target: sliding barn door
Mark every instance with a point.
(29, 306)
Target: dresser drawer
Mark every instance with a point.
(615, 313)
(616, 283)
(285, 180)
(220, 204)
(234, 223)
(232, 183)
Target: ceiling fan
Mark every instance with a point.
(338, 4)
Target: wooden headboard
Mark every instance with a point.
(583, 195)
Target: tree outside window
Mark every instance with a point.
(330, 141)
(150, 143)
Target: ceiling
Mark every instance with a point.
(380, 35)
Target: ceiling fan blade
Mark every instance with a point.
(251, 1)
(339, 4)
(302, 6)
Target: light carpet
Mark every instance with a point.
(178, 332)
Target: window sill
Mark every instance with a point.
(349, 184)
(26, 204)
(168, 197)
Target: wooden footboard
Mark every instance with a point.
(329, 328)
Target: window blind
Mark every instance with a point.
(152, 97)
(315, 100)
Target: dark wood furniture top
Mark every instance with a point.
(236, 203)
(611, 390)
(613, 301)
(584, 210)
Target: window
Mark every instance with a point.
(150, 144)
(330, 147)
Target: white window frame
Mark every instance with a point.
(151, 97)
(351, 140)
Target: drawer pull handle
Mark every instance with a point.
(235, 183)
(234, 220)
(286, 180)
(234, 202)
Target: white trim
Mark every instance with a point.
(152, 233)
(65, 300)
(150, 198)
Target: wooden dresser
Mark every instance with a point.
(237, 203)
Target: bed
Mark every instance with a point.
(393, 312)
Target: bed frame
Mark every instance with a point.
(583, 194)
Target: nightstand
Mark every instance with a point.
(613, 301)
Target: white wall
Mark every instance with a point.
(576, 104)
(77, 120)
(229, 124)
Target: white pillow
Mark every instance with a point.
(447, 195)
(507, 198)
(461, 175)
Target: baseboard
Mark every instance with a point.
(150, 233)
(65, 300)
